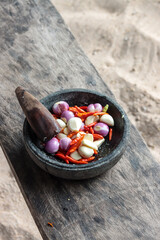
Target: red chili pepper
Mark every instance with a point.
(79, 109)
(55, 116)
(61, 155)
(75, 146)
(91, 124)
(86, 128)
(50, 224)
(91, 130)
(71, 149)
(83, 107)
(99, 113)
(110, 134)
(70, 159)
(76, 140)
(73, 109)
(95, 151)
(62, 130)
(85, 114)
(97, 136)
(88, 159)
(72, 134)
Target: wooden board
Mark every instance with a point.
(39, 53)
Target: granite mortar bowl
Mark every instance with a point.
(109, 153)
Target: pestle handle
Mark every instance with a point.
(40, 119)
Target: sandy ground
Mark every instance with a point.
(16, 222)
(122, 39)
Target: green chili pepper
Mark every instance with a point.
(105, 109)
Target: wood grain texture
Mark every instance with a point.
(39, 53)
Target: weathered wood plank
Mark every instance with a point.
(39, 53)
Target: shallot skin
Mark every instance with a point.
(60, 107)
(52, 145)
(65, 143)
(97, 107)
(66, 115)
(102, 129)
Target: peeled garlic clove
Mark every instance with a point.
(89, 144)
(61, 123)
(61, 135)
(91, 119)
(85, 152)
(89, 137)
(75, 155)
(76, 135)
(106, 118)
(74, 124)
(66, 131)
(98, 143)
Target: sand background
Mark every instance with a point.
(122, 40)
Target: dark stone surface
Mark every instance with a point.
(110, 152)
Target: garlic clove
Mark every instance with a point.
(89, 144)
(89, 137)
(74, 124)
(85, 152)
(75, 155)
(66, 131)
(98, 143)
(91, 119)
(61, 135)
(61, 123)
(107, 119)
(77, 135)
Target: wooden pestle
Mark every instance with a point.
(40, 119)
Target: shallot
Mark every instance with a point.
(83, 131)
(52, 145)
(102, 129)
(65, 143)
(60, 107)
(66, 115)
(97, 107)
